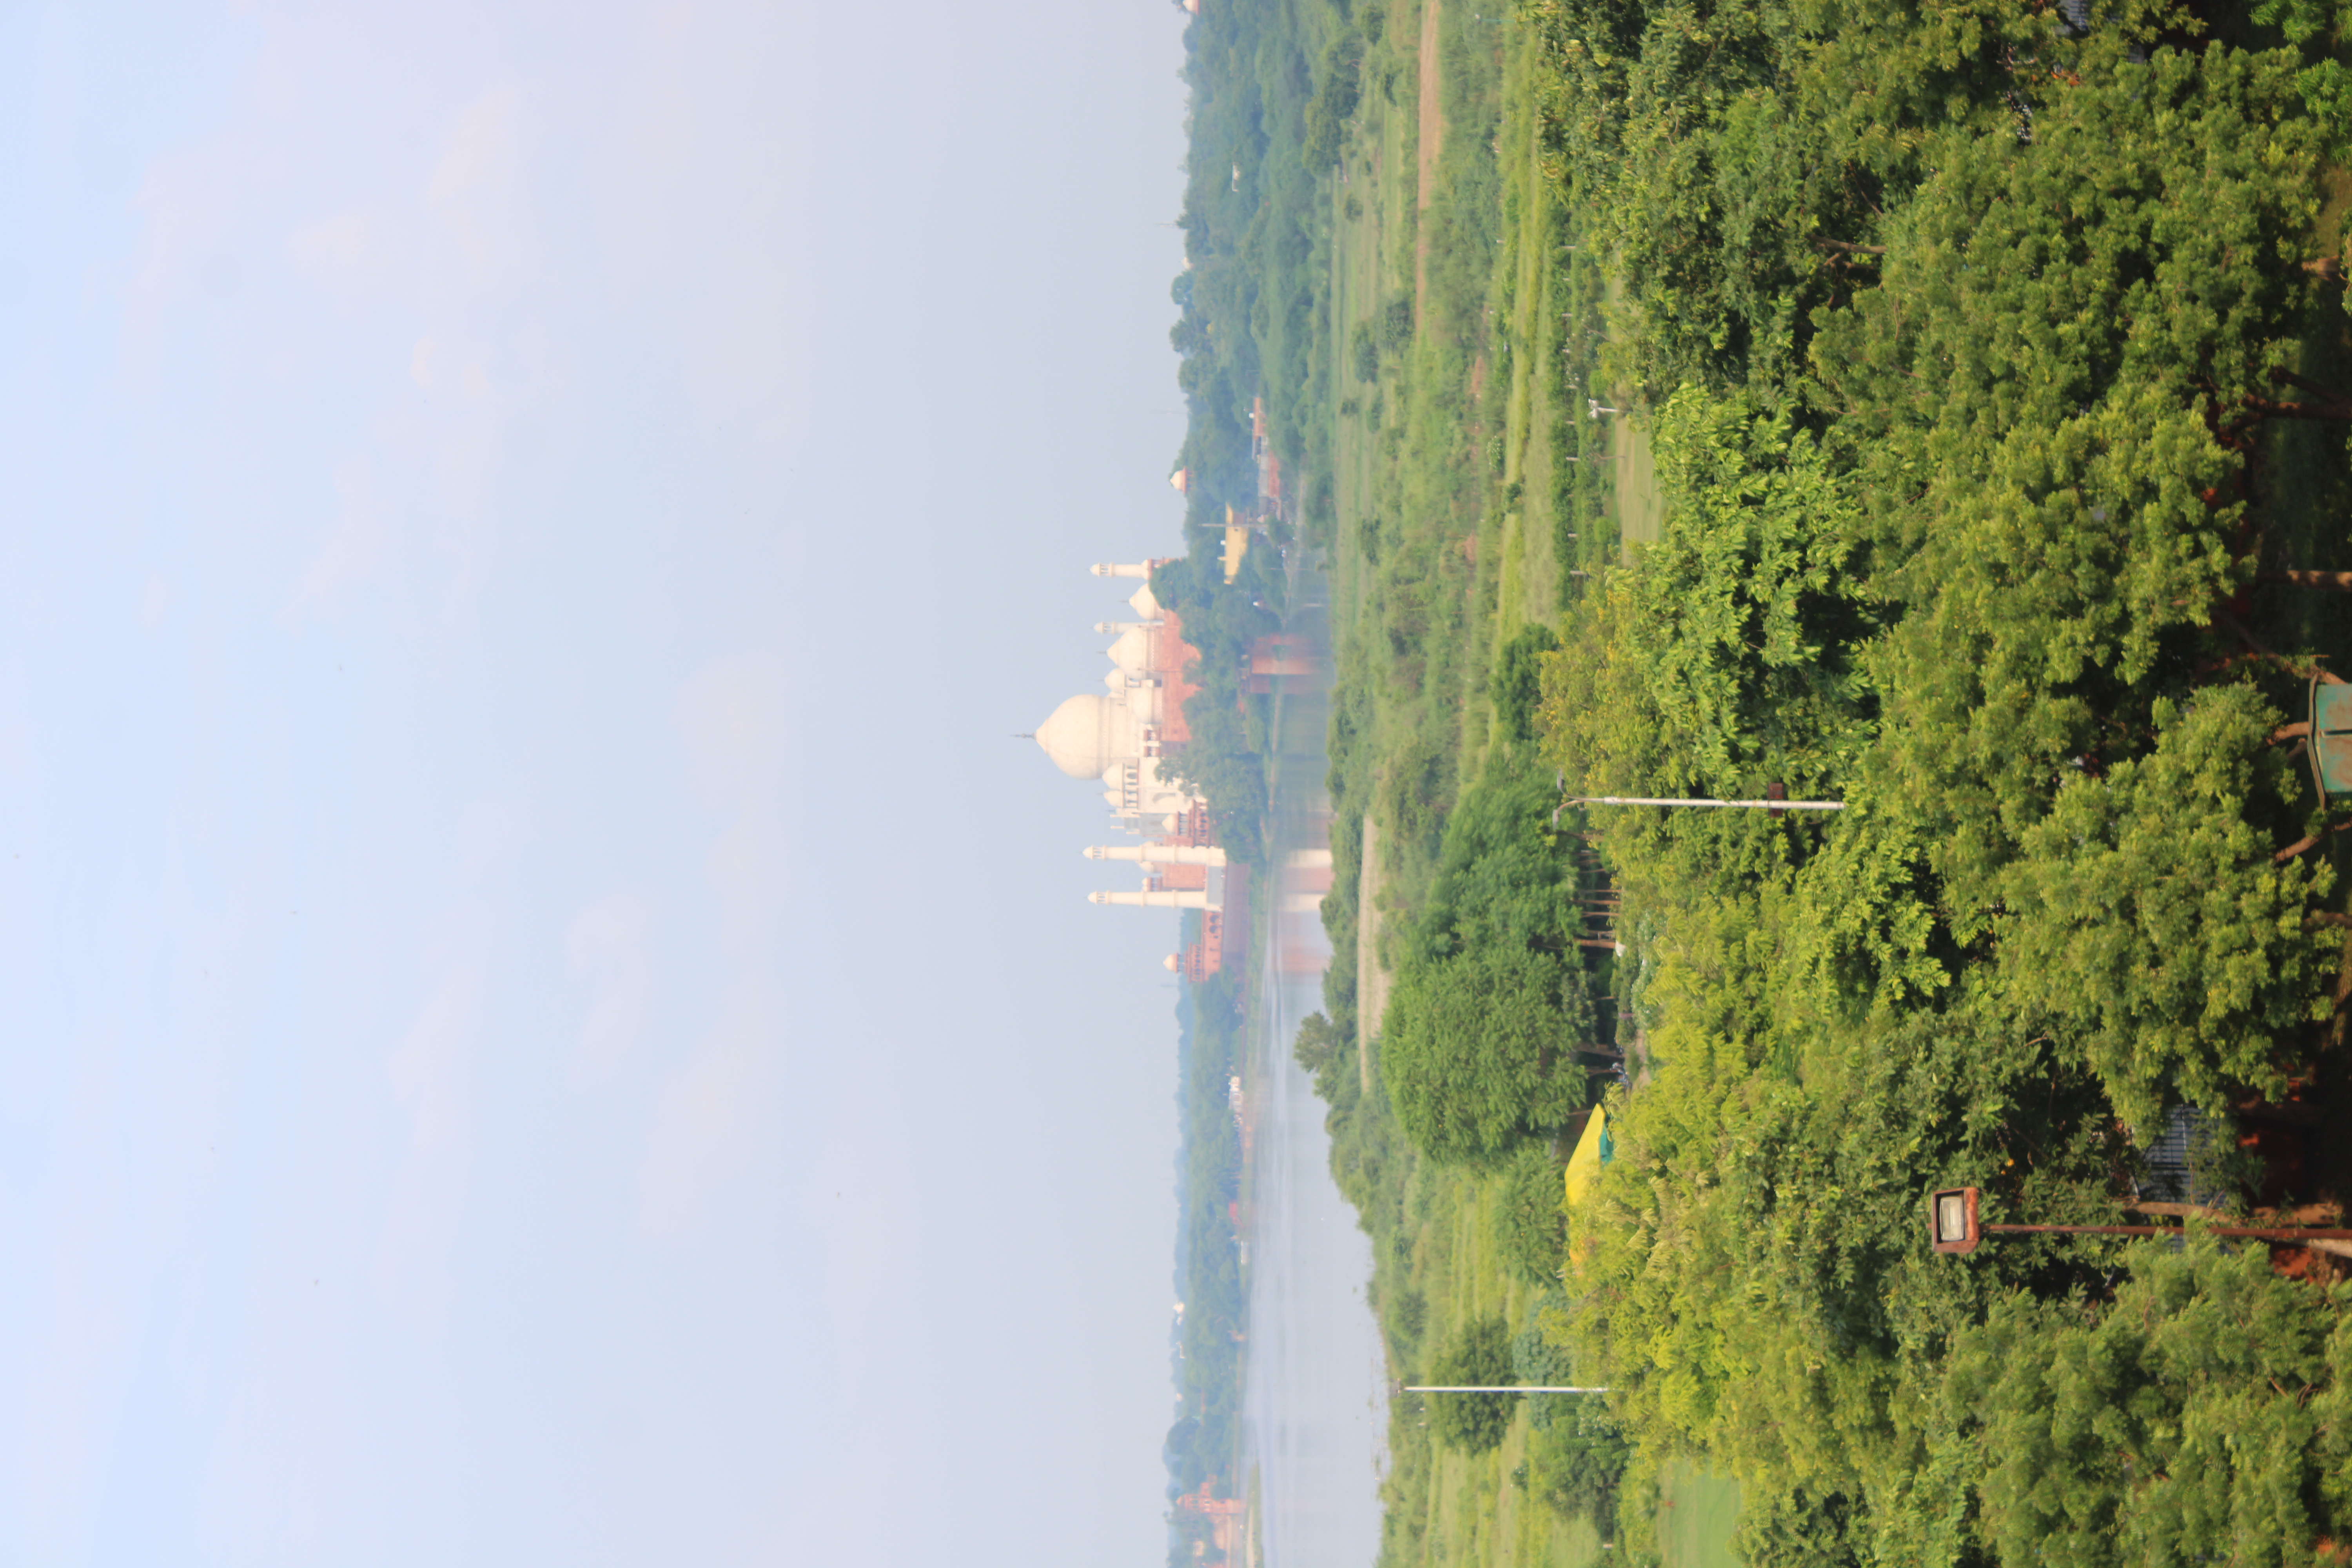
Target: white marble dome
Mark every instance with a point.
(1132, 651)
(1087, 734)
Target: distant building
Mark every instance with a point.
(1280, 657)
(1214, 1507)
(1224, 1515)
(1121, 737)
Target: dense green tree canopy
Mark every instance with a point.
(2148, 921)
(1478, 1356)
(2205, 1409)
(1476, 1048)
(1517, 686)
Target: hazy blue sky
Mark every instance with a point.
(543, 1019)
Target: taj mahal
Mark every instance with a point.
(1118, 736)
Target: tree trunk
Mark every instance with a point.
(2337, 582)
(2267, 408)
(2229, 623)
(2286, 377)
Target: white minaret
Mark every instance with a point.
(1128, 626)
(1160, 854)
(1136, 569)
(1190, 898)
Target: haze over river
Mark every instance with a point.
(1315, 1400)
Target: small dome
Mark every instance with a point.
(1174, 964)
(1181, 478)
(1145, 606)
(1132, 651)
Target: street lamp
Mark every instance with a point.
(1952, 1220)
(1495, 1388)
(1953, 1227)
(1772, 805)
(1776, 798)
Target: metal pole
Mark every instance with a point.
(1752, 804)
(1482, 1388)
(2267, 1233)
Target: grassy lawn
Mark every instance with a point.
(1475, 492)
(1458, 520)
(1697, 1512)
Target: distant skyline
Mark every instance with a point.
(547, 1020)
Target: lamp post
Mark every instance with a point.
(1953, 1226)
(1746, 804)
(1495, 1388)
(1776, 801)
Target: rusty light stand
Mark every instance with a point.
(1952, 1223)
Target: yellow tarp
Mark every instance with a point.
(1593, 1152)
(1237, 543)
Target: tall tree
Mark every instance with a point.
(2152, 924)
(2205, 1408)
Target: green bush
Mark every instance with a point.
(1410, 1316)
(1328, 1053)
(1531, 1229)
(1493, 997)
(1797, 1529)
(1478, 1354)
(1575, 1465)
(1517, 686)
(1396, 324)
(2205, 1407)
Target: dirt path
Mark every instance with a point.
(1372, 980)
(1430, 138)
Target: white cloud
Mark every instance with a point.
(472, 192)
(732, 722)
(697, 184)
(707, 1118)
(353, 547)
(731, 716)
(428, 1073)
(611, 946)
(359, 250)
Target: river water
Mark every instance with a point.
(1315, 1397)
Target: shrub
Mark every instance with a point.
(1479, 1354)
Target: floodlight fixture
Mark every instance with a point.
(1953, 1227)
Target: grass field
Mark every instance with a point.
(1695, 1514)
(1459, 520)
(1476, 491)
